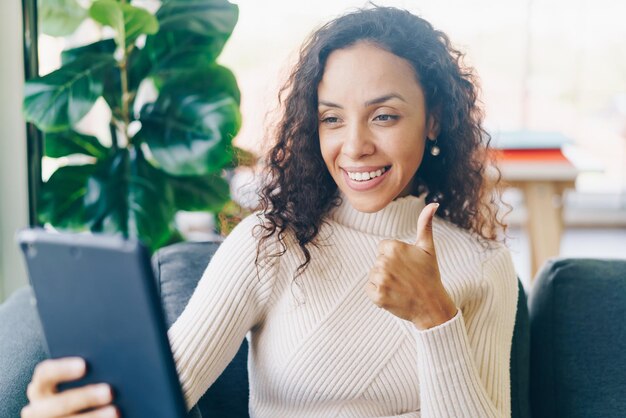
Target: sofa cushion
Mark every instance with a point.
(578, 346)
(178, 268)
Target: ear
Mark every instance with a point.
(432, 125)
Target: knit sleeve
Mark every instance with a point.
(464, 363)
(229, 300)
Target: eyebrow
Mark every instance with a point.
(378, 100)
(383, 99)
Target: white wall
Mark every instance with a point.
(13, 172)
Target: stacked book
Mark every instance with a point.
(533, 155)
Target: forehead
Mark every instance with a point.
(365, 69)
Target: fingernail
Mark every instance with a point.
(77, 364)
(111, 411)
(104, 392)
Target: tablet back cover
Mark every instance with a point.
(97, 299)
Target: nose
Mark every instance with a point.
(358, 142)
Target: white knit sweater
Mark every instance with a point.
(320, 348)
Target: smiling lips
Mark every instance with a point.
(364, 178)
(365, 175)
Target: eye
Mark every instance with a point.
(330, 120)
(386, 117)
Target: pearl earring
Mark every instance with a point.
(434, 148)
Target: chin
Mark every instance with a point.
(367, 204)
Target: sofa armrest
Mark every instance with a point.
(578, 345)
(21, 348)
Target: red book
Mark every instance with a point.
(532, 155)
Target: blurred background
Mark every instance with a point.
(548, 69)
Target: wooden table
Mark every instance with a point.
(542, 186)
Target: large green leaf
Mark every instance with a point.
(109, 13)
(111, 79)
(212, 79)
(61, 144)
(106, 199)
(105, 46)
(62, 197)
(128, 195)
(190, 132)
(177, 51)
(200, 193)
(138, 69)
(127, 21)
(60, 17)
(192, 33)
(202, 17)
(60, 99)
(138, 21)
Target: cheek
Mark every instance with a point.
(410, 154)
(418, 155)
(328, 150)
(418, 151)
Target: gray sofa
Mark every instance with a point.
(573, 368)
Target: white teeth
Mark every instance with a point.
(364, 176)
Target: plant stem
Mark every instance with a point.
(126, 50)
(125, 94)
(113, 130)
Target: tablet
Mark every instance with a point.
(97, 299)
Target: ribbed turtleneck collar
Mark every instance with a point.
(397, 219)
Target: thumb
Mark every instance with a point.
(425, 228)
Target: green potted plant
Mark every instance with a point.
(166, 154)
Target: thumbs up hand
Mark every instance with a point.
(405, 279)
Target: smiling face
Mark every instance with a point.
(372, 124)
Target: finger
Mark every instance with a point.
(371, 289)
(49, 373)
(376, 275)
(73, 401)
(425, 228)
(381, 262)
(106, 412)
(380, 280)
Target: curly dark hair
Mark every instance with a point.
(299, 191)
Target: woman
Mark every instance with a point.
(356, 299)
